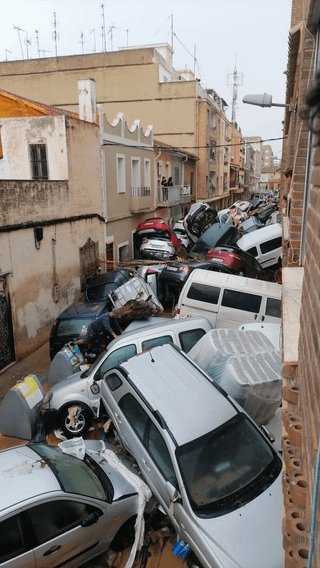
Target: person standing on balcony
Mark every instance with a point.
(164, 184)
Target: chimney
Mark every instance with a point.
(87, 100)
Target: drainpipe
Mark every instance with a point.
(157, 157)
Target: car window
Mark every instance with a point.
(135, 415)
(158, 450)
(271, 245)
(60, 516)
(149, 343)
(203, 293)
(73, 327)
(11, 543)
(241, 301)
(253, 251)
(115, 358)
(113, 381)
(273, 308)
(189, 338)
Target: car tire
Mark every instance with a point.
(195, 229)
(82, 422)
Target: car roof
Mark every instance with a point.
(237, 282)
(83, 309)
(108, 277)
(187, 400)
(23, 476)
(163, 323)
(267, 232)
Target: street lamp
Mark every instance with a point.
(261, 100)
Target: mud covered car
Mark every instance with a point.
(217, 234)
(199, 218)
(239, 261)
(164, 239)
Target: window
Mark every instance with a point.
(189, 338)
(253, 251)
(60, 516)
(135, 415)
(273, 308)
(135, 177)
(149, 343)
(149, 436)
(271, 245)
(38, 157)
(116, 358)
(11, 542)
(204, 293)
(147, 173)
(113, 381)
(241, 301)
(121, 174)
(159, 452)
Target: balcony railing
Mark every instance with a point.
(140, 199)
(176, 194)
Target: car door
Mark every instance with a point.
(16, 547)
(61, 540)
(238, 307)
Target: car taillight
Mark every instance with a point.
(178, 311)
(144, 240)
(150, 271)
(184, 269)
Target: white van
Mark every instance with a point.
(265, 244)
(228, 300)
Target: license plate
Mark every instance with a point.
(172, 268)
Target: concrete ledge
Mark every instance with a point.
(292, 279)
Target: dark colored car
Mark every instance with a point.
(99, 287)
(241, 264)
(72, 324)
(217, 234)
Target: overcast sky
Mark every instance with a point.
(249, 36)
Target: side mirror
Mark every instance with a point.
(90, 519)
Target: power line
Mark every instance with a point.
(189, 147)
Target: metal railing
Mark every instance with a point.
(141, 191)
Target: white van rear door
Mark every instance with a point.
(239, 307)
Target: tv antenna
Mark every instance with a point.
(44, 51)
(127, 31)
(55, 35)
(7, 51)
(110, 31)
(19, 30)
(37, 40)
(94, 40)
(237, 81)
(28, 42)
(82, 41)
(103, 28)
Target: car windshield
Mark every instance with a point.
(228, 467)
(83, 477)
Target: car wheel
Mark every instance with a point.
(77, 424)
(195, 229)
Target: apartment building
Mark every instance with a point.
(140, 82)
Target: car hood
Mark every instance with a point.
(249, 537)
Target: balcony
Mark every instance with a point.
(176, 194)
(140, 199)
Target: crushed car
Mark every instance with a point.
(199, 218)
(154, 239)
